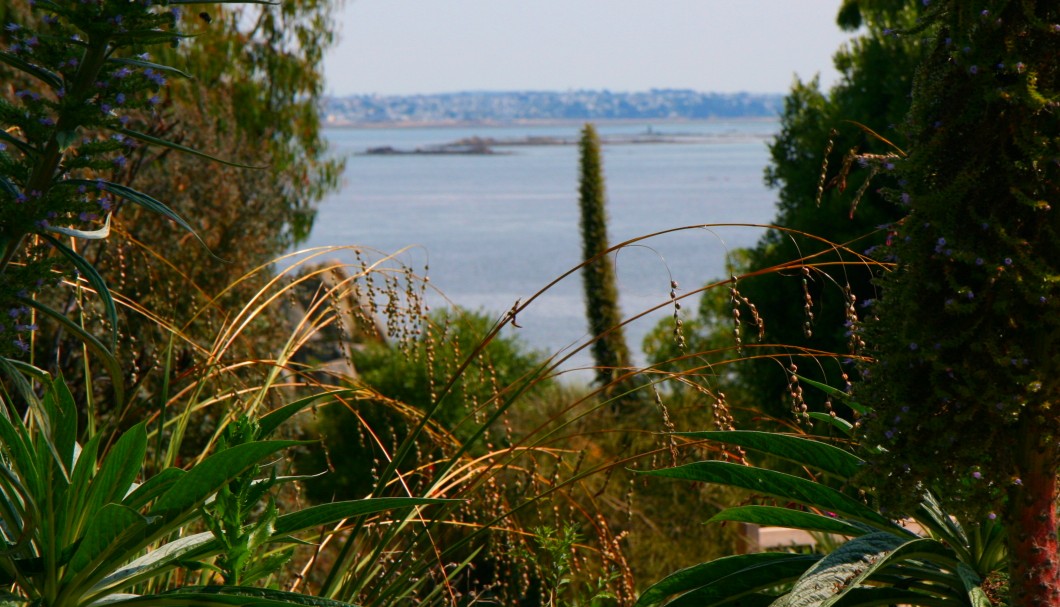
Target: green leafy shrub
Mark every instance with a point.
(79, 530)
(406, 379)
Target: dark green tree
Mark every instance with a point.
(966, 329)
(818, 129)
(610, 352)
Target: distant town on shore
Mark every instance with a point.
(544, 106)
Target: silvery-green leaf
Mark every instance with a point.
(99, 234)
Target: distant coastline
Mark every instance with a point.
(442, 124)
(536, 108)
(489, 146)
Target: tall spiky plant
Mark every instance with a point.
(967, 326)
(610, 352)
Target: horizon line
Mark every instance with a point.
(568, 90)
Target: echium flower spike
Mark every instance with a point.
(975, 275)
(81, 87)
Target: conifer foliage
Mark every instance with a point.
(610, 352)
(965, 330)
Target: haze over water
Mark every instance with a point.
(497, 228)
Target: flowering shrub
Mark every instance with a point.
(965, 330)
(86, 73)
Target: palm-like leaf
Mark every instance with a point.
(882, 562)
(78, 528)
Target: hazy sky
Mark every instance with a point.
(431, 46)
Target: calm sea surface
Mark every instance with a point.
(498, 228)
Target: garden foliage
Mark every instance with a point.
(965, 328)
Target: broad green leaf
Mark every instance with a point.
(931, 516)
(802, 451)
(727, 577)
(843, 425)
(10, 599)
(155, 562)
(777, 484)
(80, 479)
(100, 350)
(324, 514)
(754, 599)
(152, 488)
(65, 139)
(114, 526)
(268, 424)
(24, 147)
(176, 146)
(227, 596)
(120, 468)
(255, 596)
(26, 369)
(211, 474)
(19, 512)
(7, 186)
(148, 64)
(62, 419)
(836, 392)
(855, 562)
(46, 76)
(147, 37)
(973, 586)
(17, 445)
(871, 596)
(136, 197)
(774, 516)
(94, 278)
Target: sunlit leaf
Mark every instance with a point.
(777, 484)
(211, 474)
(728, 578)
(46, 76)
(802, 451)
(113, 526)
(857, 561)
(181, 148)
(774, 516)
(95, 279)
(323, 514)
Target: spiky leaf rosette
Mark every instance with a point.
(966, 326)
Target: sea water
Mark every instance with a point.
(495, 229)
